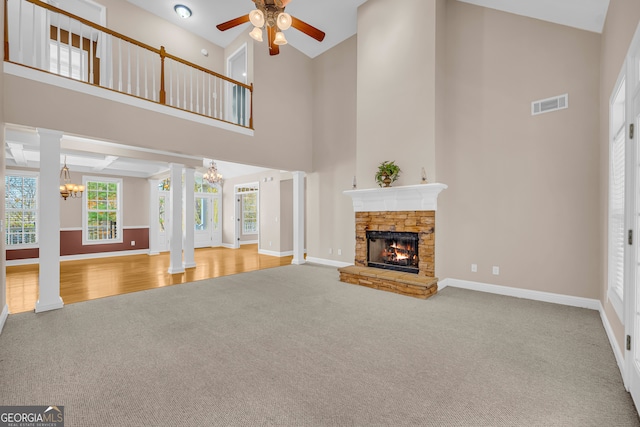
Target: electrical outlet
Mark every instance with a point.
(330, 251)
(339, 251)
(474, 268)
(133, 243)
(269, 242)
(496, 270)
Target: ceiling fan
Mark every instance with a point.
(270, 13)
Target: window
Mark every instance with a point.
(77, 59)
(616, 214)
(102, 219)
(249, 206)
(21, 209)
(65, 66)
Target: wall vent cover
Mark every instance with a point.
(550, 104)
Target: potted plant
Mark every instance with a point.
(388, 172)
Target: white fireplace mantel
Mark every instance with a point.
(420, 197)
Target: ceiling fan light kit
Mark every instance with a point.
(256, 34)
(270, 13)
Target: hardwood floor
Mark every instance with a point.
(102, 277)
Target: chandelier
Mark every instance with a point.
(272, 14)
(68, 189)
(212, 176)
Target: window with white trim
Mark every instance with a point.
(21, 209)
(102, 211)
(249, 206)
(616, 213)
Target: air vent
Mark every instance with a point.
(550, 104)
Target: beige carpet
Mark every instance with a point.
(293, 346)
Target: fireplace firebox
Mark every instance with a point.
(393, 250)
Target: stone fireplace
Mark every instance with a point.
(395, 239)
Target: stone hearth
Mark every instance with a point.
(409, 209)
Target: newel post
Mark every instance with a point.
(163, 94)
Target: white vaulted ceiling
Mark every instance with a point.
(338, 18)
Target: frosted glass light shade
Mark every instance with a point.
(284, 21)
(257, 18)
(256, 34)
(183, 11)
(280, 39)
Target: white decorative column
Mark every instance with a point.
(175, 213)
(298, 218)
(154, 210)
(189, 217)
(49, 221)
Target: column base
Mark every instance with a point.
(298, 261)
(3, 316)
(173, 270)
(189, 264)
(49, 305)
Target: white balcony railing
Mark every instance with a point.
(43, 37)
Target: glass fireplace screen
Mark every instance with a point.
(393, 250)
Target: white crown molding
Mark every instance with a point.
(419, 197)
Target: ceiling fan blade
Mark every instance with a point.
(309, 30)
(233, 23)
(274, 49)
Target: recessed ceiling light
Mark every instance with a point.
(183, 11)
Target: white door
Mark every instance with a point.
(632, 293)
(216, 220)
(208, 230)
(202, 235)
(163, 221)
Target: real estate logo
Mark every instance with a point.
(31, 416)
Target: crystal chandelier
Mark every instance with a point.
(68, 189)
(212, 176)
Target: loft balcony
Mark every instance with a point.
(50, 45)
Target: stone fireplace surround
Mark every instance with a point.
(407, 208)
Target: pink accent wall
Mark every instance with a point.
(71, 244)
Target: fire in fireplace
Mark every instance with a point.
(393, 250)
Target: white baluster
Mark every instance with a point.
(69, 39)
(20, 36)
(184, 82)
(119, 65)
(153, 83)
(137, 48)
(33, 38)
(191, 88)
(129, 68)
(83, 70)
(59, 40)
(197, 94)
(91, 56)
(146, 76)
(210, 93)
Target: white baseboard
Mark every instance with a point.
(248, 242)
(329, 262)
(228, 246)
(274, 253)
(3, 316)
(80, 256)
(589, 303)
(617, 351)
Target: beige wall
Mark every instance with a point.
(3, 288)
(622, 20)
(396, 81)
(125, 18)
(522, 189)
(331, 221)
(286, 215)
(135, 203)
(282, 96)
